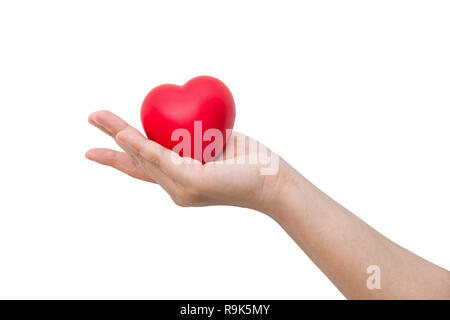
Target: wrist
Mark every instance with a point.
(285, 192)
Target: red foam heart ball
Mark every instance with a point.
(189, 118)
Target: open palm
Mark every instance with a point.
(234, 178)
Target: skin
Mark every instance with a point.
(337, 241)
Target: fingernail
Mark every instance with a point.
(100, 126)
(88, 155)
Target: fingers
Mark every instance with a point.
(118, 160)
(109, 123)
(169, 162)
(125, 163)
(127, 135)
(112, 124)
(164, 166)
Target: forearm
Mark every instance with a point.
(343, 246)
(339, 243)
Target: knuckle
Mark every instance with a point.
(179, 198)
(187, 198)
(151, 155)
(179, 201)
(192, 196)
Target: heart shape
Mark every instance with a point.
(200, 109)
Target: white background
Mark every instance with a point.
(354, 94)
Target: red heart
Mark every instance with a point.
(169, 107)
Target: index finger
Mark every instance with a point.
(168, 161)
(109, 122)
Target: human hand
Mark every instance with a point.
(229, 180)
